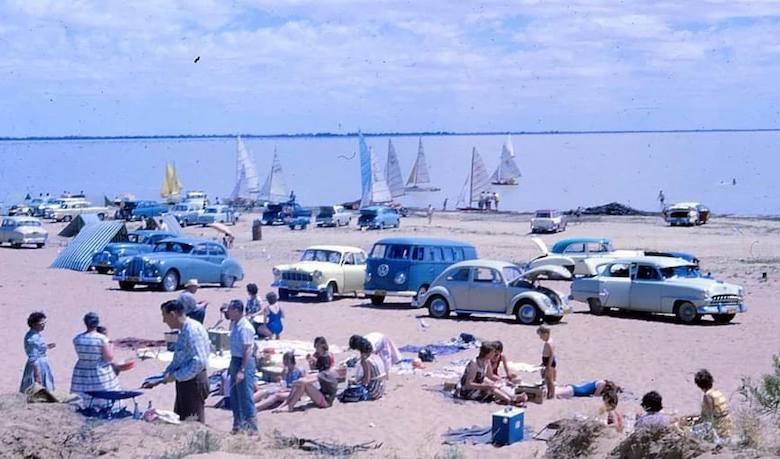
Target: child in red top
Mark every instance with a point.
(498, 360)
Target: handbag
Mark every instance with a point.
(353, 394)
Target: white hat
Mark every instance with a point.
(191, 282)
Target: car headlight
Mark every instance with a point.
(705, 295)
(276, 271)
(317, 274)
(368, 277)
(692, 213)
(400, 278)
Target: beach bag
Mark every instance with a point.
(353, 394)
(426, 355)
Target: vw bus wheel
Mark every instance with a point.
(377, 300)
(438, 307)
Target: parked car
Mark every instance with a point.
(279, 213)
(20, 210)
(406, 266)
(217, 214)
(333, 216)
(71, 210)
(19, 231)
(548, 221)
(686, 214)
(186, 213)
(51, 204)
(147, 209)
(173, 261)
(664, 285)
(139, 241)
(496, 287)
(378, 217)
(324, 270)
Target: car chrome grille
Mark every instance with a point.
(136, 267)
(296, 276)
(725, 300)
(679, 214)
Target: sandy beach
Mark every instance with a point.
(640, 353)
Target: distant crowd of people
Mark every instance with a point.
(488, 201)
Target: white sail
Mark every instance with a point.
(419, 175)
(379, 190)
(240, 190)
(245, 167)
(477, 181)
(275, 187)
(507, 171)
(366, 176)
(393, 172)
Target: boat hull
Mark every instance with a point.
(505, 183)
(421, 189)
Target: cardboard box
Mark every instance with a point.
(450, 384)
(220, 340)
(508, 425)
(536, 393)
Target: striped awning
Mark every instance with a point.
(91, 239)
(78, 223)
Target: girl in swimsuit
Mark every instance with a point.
(549, 364)
(478, 382)
(499, 359)
(597, 387)
(273, 326)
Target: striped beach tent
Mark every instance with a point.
(91, 239)
(75, 225)
(171, 224)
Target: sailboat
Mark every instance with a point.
(374, 188)
(171, 187)
(477, 182)
(507, 172)
(393, 172)
(247, 184)
(419, 177)
(274, 188)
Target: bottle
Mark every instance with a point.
(136, 411)
(149, 406)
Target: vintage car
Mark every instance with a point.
(581, 256)
(548, 221)
(333, 216)
(324, 270)
(686, 214)
(147, 209)
(659, 285)
(378, 217)
(19, 231)
(174, 261)
(217, 214)
(186, 213)
(51, 204)
(139, 241)
(71, 210)
(21, 209)
(496, 287)
(280, 213)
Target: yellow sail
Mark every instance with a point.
(171, 185)
(176, 185)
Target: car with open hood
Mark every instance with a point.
(665, 285)
(496, 287)
(333, 216)
(19, 231)
(378, 217)
(323, 270)
(686, 214)
(138, 241)
(173, 261)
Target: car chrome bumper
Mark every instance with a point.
(309, 287)
(721, 309)
(34, 240)
(681, 221)
(137, 279)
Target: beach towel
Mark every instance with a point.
(39, 394)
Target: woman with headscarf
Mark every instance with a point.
(93, 370)
(37, 369)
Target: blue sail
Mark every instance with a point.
(366, 175)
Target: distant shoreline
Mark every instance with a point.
(380, 134)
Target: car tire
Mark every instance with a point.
(723, 318)
(124, 285)
(377, 300)
(527, 313)
(67, 218)
(227, 281)
(382, 225)
(596, 307)
(40, 246)
(552, 319)
(101, 217)
(102, 270)
(16, 245)
(398, 225)
(284, 294)
(687, 313)
(170, 282)
(421, 291)
(438, 307)
(326, 295)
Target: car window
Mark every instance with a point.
(216, 250)
(418, 253)
(618, 270)
(360, 258)
(486, 275)
(577, 247)
(134, 238)
(349, 259)
(681, 271)
(596, 247)
(399, 252)
(6, 222)
(542, 215)
(511, 272)
(433, 254)
(200, 249)
(378, 251)
(646, 272)
(459, 275)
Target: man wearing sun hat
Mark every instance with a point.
(192, 307)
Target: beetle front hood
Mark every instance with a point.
(541, 245)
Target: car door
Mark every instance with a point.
(198, 265)
(615, 285)
(216, 257)
(458, 283)
(487, 291)
(354, 267)
(5, 229)
(646, 288)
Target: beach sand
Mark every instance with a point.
(641, 353)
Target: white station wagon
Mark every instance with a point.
(659, 285)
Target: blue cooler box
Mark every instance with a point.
(508, 426)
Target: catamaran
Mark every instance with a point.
(374, 188)
(477, 182)
(275, 187)
(507, 173)
(393, 172)
(419, 177)
(247, 183)
(171, 186)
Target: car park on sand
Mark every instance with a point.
(323, 270)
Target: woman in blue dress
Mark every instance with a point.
(37, 369)
(273, 326)
(93, 370)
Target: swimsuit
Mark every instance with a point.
(547, 359)
(274, 324)
(584, 390)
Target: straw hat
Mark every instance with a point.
(191, 283)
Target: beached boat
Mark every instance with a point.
(419, 178)
(395, 183)
(374, 188)
(275, 187)
(477, 182)
(247, 183)
(171, 186)
(507, 173)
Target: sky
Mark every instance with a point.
(179, 67)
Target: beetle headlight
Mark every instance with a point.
(400, 278)
(317, 274)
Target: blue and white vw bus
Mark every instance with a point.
(406, 266)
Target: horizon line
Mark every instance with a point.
(386, 134)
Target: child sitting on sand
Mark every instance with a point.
(714, 406)
(549, 370)
(478, 382)
(369, 373)
(652, 403)
(267, 399)
(499, 359)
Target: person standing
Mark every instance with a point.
(242, 369)
(93, 370)
(192, 307)
(37, 369)
(481, 201)
(444, 205)
(429, 213)
(190, 360)
(495, 200)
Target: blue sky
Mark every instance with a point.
(121, 67)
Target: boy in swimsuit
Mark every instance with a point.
(549, 364)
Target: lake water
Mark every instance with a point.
(559, 171)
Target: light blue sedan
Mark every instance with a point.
(174, 261)
(139, 241)
(378, 217)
